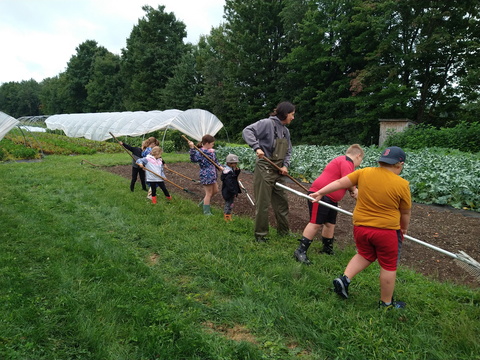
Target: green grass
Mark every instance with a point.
(89, 270)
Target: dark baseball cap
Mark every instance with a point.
(393, 155)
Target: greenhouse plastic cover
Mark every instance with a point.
(194, 123)
(6, 124)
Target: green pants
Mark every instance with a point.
(266, 193)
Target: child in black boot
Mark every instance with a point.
(323, 217)
(301, 253)
(137, 171)
(327, 246)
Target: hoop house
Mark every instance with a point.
(97, 126)
(7, 123)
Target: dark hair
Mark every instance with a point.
(206, 139)
(283, 109)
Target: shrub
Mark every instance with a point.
(168, 146)
(464, 136)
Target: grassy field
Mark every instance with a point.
(89, 270)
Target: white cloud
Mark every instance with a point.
(38, 37)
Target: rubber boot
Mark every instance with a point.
(227, 217)
(206, 210)
(154, 199)
(169, 198)
(301, 253)
(327, 246)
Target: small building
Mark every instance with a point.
(389, 125)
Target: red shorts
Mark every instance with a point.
(382, 244)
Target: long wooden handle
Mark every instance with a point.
(291, 178)
(205, 155)
(128, 152)
(184, 176)
(144, 168)
(163, 178)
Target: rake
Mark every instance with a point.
(88, 162)
(181, 175)
(203, 154)
(246, 192)
(154, 173)
(287, 175)
(462, 259)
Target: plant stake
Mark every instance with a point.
(463, 260)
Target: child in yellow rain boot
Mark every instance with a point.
(230, 185)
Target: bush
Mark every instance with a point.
(463, 136)
(168, 146)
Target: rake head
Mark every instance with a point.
(470, 265)
(192, 193)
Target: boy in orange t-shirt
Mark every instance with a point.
(380, 218)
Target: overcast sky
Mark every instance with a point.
(38, 37)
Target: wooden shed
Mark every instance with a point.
(389, 125)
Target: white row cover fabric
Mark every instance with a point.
(97, 126)
(7, 123)
(33, 128)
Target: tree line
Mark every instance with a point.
(344, 64)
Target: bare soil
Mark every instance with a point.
(447, 228)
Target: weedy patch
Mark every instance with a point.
(152, 259)
(236, 333)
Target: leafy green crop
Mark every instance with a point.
(436, 176)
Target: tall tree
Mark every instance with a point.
(320, 65)
(425, 49)
(215, 83)
(255, 42)
(20, 99)
(153, 49)
(53, 95)
(78, 74)
(181, 89)
(106, 85)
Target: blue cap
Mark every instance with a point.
(393, 155)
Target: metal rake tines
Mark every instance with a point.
(464, 261)
(467, 263)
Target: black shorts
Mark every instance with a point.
(320, 214)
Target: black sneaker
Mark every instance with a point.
(341, 286)
(393, 305)
(301, 256)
